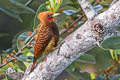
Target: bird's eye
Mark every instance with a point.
(49, 16)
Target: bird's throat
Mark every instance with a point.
(50, 19)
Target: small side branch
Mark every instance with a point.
(87, 8)
(19, 52)
(66, 29)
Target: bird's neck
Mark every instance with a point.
(48, 23)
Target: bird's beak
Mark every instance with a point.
(55, 14)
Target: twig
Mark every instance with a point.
(32, 37)
(87, 8)
(26, 45)
(20, 51)
(28, 2)
(66, 29)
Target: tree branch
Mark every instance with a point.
(113, 2)
(82, 40)
(87, 8)
(15, 75)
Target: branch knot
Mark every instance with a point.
(98, 31)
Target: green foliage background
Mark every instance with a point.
(18, 19)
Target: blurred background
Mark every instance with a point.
(9, 27)
(18, 21)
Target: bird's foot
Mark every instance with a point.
(54, 48)
(45, 59)
(58, 47)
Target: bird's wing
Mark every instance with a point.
(43, 37)
(55, 33)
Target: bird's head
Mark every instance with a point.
(47, 17)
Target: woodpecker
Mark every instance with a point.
(47, 35)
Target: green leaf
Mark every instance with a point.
(23, 1)
(116, 54)
(41, 8)
(92, 75)
(13, 66)
(4, 35)
(71, 68)
(8, 51)
(78, 74)
(67, 76)
(117, 51)
(4, 68)
(9, 78)
(11, 13)
(16, 6)
(91, 1)
(21, 65)
(27, 20)
(62, 19)
(25, 58)
(87, 58)
(68, 7)
(111, 43)
(102, 57)
(53, 5)
(66, 2)
(112, 53)
(28, 38)
(22, 7)
(23, 38)
(114, 77)
(5, 78)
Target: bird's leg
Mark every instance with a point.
(33, 64)
(54, 48)
(45, 59)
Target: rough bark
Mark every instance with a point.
(76, 44)
(113, 2)
(15, 75)
(87, 8)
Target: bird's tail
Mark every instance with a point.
(33, 64)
